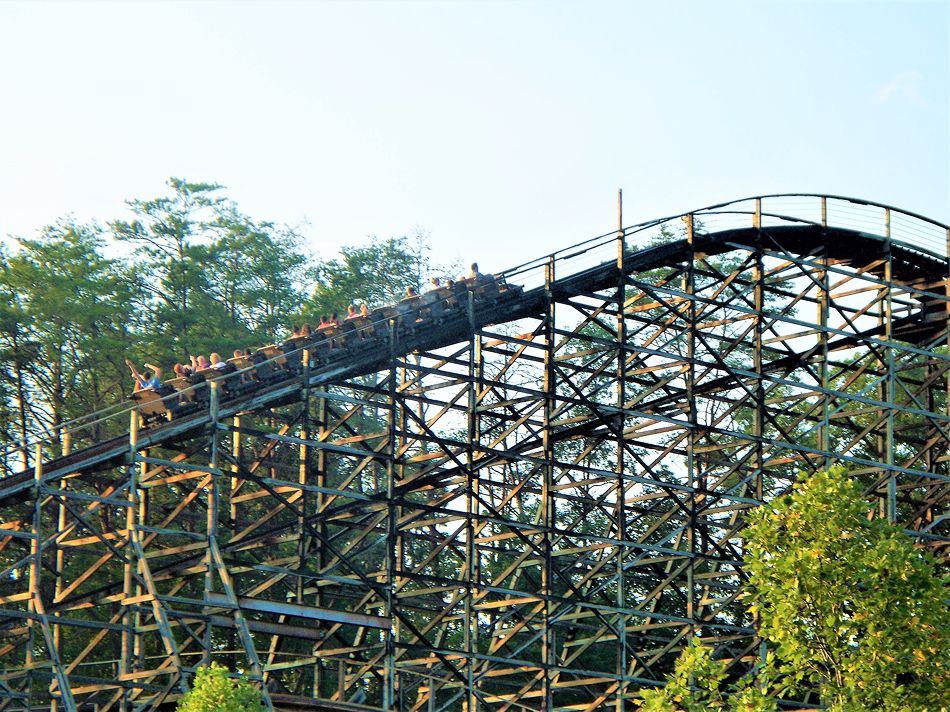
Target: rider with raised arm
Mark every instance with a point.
(152, 378)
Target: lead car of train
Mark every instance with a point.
(266, 365)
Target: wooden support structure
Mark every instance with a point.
(521, 500)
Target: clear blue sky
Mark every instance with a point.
(503, 128)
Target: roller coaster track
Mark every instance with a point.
(530, 504)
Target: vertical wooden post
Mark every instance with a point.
(321, 504)
(303, 469)
(127, 648)
(824, 314)
(891, 366)
(758, 276)
(547, 488)
(393, 559)
(758, 422)
(471, 513)
(236, 453)
(36, 566)
(60, 557)
(620, 454)
(211, 521)
(692, 466)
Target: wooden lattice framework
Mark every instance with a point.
(532, 507)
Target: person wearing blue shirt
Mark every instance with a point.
(152, 378)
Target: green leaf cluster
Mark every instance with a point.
(215, 691)
(699, 683)
(847, 604)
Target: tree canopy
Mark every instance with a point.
(847, 604)
(187, 273)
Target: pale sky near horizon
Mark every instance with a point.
(502, 128)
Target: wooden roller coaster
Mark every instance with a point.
(523, 493)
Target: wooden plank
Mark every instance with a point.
(302, 611)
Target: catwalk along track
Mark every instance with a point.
(528, 496)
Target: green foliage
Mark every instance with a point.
(255, 274)
(213, 691)
(847, 604)
(170, 235)
(373, 274)
(201, 276)
(699, 683)
(376, 274)
(66, 322)
(696, 683)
